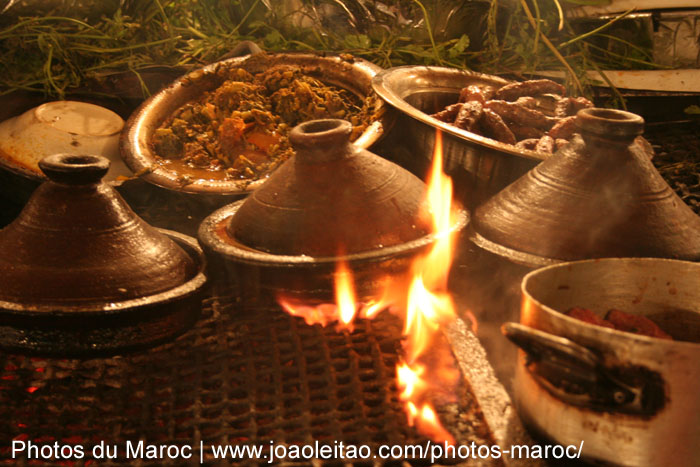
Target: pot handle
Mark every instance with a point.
(577, 375)
(541, 345)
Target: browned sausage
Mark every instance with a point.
(514, 113)
(533, 87)
(474, 92)
(564, 128)
(545, 145)
(496, 128)
(469, 116)
(529, 143)
(448, 114)
(571, 105)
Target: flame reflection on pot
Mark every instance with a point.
(422, 301)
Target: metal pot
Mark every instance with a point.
(347, 72)
(633, 400)
(480, 166)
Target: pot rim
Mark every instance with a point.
(135, 137)
(600, 333)
(387, 84)
(516, 256)
(209, 237)
(97, 310)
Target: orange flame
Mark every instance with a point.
(345, 294)
(427, 306)
(409, 380)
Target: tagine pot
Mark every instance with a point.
(82, 274)
(331, 202)
(599, 196)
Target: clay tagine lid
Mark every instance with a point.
(332, 198)
(599, 196)
(77, 243)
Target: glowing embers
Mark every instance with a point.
(422, 301)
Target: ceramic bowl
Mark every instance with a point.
(61, 127)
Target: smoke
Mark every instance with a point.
(488, 287)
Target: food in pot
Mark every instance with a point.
(621, 321)
(588, 316)
(238, 131)
(532, 114)
(635, 323)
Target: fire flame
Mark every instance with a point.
(427, 306)
(345, 294)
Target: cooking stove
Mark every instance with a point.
(242, 376)
(249, 375)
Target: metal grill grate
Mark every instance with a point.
(241, 376)
(677, 147)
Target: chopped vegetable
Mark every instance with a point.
(239, 130)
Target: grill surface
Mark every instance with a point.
(239, 377)
(677, 147)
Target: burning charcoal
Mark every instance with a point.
(564, 128)
(636, 324)
(522, 132)
(474, 92)
(534, 87)
(528, 143)
(496, 128)
(545, 145)
(449, 114)
(571, 105)
(587, 316)
(514, 113)
(469, 116)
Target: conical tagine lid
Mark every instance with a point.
(78, 243)
(599, 196)
(332, 198)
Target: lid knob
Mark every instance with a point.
(610, 123)
(313, 140)
(71, 169)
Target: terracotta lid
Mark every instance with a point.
(331, 198)
(78, 243)
(599, 196)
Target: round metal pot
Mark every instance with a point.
(480, 166)
(352, 74)
(632, 400)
